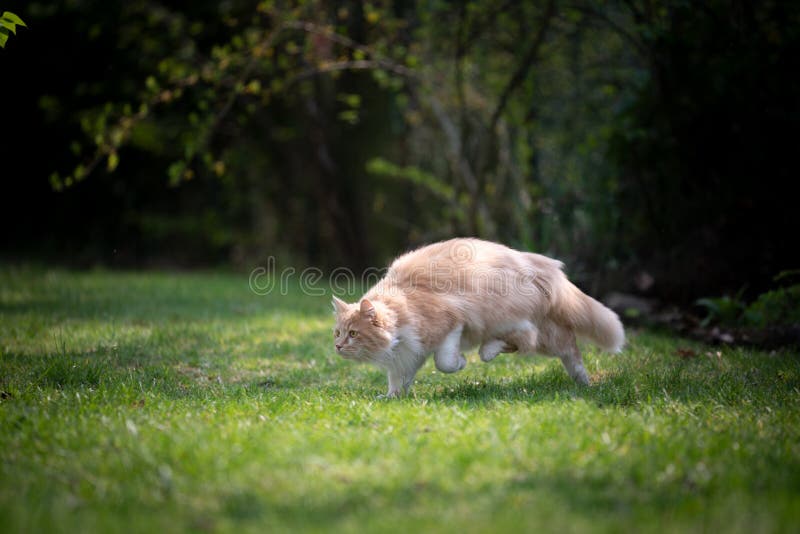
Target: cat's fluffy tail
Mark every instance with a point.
(587, 317)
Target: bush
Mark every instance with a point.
(778, 307)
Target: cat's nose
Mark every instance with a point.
(338, 347)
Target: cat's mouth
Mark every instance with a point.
(347, 355)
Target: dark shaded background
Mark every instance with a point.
(634, 140)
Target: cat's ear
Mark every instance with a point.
(368, 310)
(339, 306)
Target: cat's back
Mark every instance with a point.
(453, 252)
(436, 263)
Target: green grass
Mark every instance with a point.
(173, 402)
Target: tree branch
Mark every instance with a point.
(362, 64)
(640, 48)
(527, 62)
(488, 23)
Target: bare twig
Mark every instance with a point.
(310, 27)
(362, 64)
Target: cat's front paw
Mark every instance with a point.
(450, 363)
(392, 394)
(581, 377)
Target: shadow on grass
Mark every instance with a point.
(769, 379)
(682, 382)
(71, 371)
(147, 296)
(22, 373)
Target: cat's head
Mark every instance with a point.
(362, 329)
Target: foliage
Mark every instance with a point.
(725, 310)
(381, 167)
(8, 25)
(711, 112)
(776, 307)
(329, 68)
(184, 402)
(620, 136)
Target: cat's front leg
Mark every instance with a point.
(401, 372)
(399, 382)
(396, 385)
(448, 355)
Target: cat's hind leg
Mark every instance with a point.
(560, 341)
(489, 350)
(448, 355)
(523, 337)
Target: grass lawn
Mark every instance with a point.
(160, 402)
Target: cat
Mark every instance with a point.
(454, 295)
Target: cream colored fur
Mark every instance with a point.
(454, 295)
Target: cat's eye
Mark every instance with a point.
(352, 333)
(336, 333)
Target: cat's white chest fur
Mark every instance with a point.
(406, 342)
(405, 351)
(404, 357)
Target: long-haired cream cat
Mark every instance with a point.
(454, 295)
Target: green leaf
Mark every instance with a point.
(786, 274)
(113, 161)
(632, 313)
(55, 182)
(349, 116)
(381, 167)
(10, 25)
(175, 171)
(11, 17)
(3, 38)
(351, 100)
